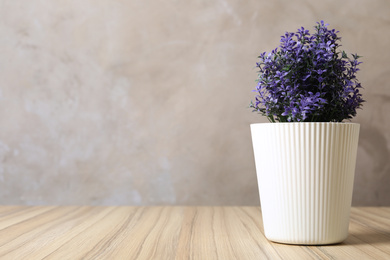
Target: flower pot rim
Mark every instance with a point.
(306, 123)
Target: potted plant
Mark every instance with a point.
(305, 157)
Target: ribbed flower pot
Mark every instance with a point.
(305, 174)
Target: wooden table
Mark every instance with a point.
(172, 233)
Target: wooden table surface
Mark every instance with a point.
(44, 232)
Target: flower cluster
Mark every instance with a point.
(306, 79)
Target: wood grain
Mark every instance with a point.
(85, 232)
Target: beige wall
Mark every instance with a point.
(145, 102)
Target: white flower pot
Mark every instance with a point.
(305, 173)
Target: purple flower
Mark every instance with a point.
(307, 79)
